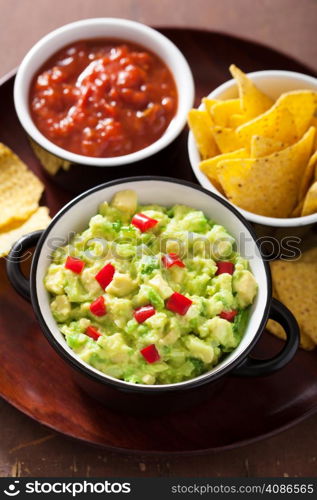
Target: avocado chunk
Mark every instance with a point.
(126, 201)
(55, 279)
(121, 285)
(221, 331)
(60, 307)
(199, 349)
(245, 286)
(161, 286)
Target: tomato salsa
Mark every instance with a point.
(103, 98)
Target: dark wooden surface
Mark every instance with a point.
(275, 402)
(27, 448)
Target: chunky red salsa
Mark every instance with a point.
(103, 98)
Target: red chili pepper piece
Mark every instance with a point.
(92, 333)
(178, 303)
(224, 267)
(105, 275)
(172, 259)
(98, 306)
(143, 313)
(228, 315)
(74, 264)
(143, 222)
(150, 353)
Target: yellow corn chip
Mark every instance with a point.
(38, 220)
(310, 200)
(308, 176)
(20, 189)
(280, 139)
(209, 103)
(233, 175)
(298, 209)
(236, 120)
(313, 121)
(277, 330)
(209, 167)
(264, 146)
(302, 104)
(50, 163)
(226, 139)
(253, 101)
(295, 284)
(277, 123)
(201, 126)
(267, 186)
(309, 256)
(222, 110)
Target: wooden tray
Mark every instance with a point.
(37, 382)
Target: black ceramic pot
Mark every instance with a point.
(144, 398)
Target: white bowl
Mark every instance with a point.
(273, 83)
(108, 28)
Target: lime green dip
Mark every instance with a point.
(187, 345)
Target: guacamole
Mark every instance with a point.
(150, 294)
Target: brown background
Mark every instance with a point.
(26, 447)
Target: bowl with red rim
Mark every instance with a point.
(167, 192)
(103, 92)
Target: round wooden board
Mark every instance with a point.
(36, 381)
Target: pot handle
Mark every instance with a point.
(252, 367)
(17, 254)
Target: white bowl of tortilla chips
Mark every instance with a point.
(253, 141)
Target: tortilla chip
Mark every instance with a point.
(49, 162)
(264, 146)
(253, 101)
(233, 176)
(309, 256)
(38, 220)
(310, 201)
(277, 123)
(236, 120)
(277, 330)
(226, 139)
(209, 167)
(308, 176)
(302, 104)
(20, 189)
(298, 209)
(295, 284)
(222, 110)
(313, 121)
(267, 186)
(209, 103)
(201, 126)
